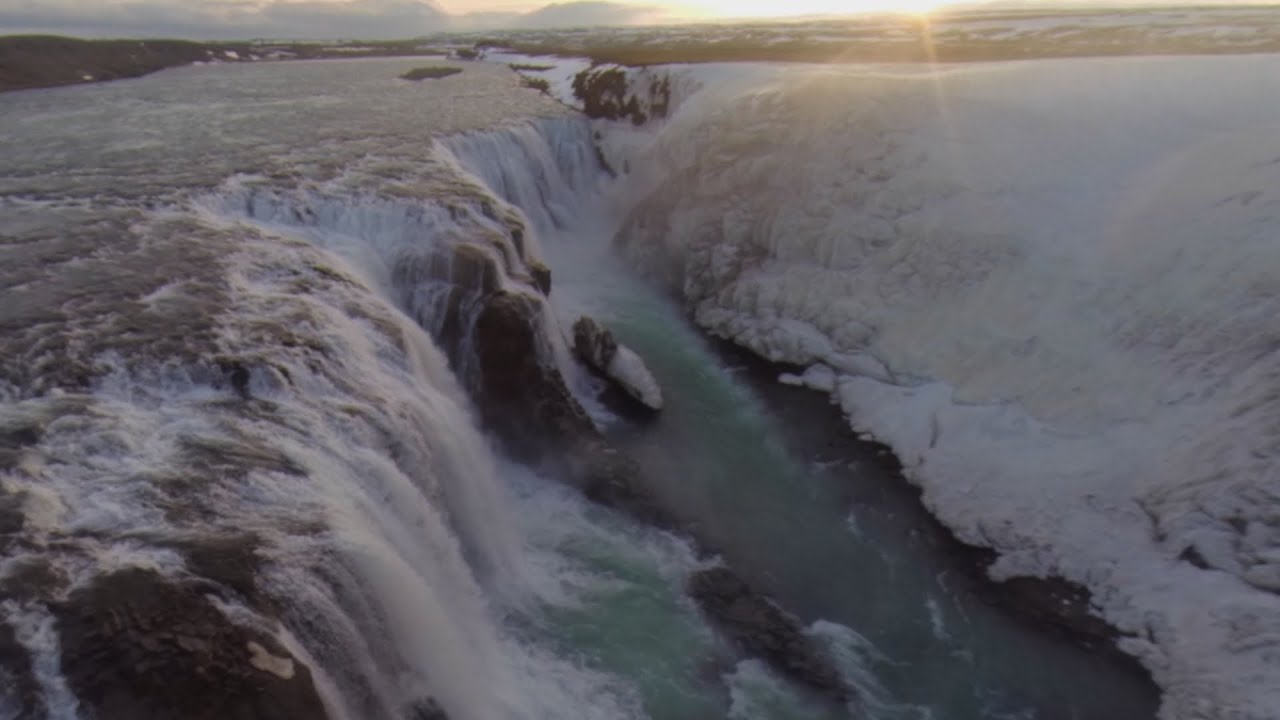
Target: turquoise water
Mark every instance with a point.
(823, 538)
(831, 536)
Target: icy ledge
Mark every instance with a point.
(599, 350)
(1051, 287)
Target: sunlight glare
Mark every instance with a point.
(793, 8)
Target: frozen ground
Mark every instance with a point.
(952, 35)
(1051, 286)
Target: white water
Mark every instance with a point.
(415, 562)
(420, 537)
(476, 668)
(408, 559)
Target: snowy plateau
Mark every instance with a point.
(1051, 286)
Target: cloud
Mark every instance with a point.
(590, 13)
(300, 19)
(367, 19)
(356, 18)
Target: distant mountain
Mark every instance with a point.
(355, 18)
(589, 13)
(296, 19)
(214, 19)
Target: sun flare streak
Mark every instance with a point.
(771, 8)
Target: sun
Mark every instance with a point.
(794, 8)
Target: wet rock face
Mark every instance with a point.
(137, 646)
(524, 400)
(475, 269)
(495, 339)
(594, 344)
(541, 276)
(761, 629)
(527, 403)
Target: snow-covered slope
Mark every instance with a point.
(1053, 287)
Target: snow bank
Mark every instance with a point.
(1052, 288)
(651, 91)
(630, 371)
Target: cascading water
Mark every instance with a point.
(239, 479)
(269, 415)
(440, 262)
(703, 455)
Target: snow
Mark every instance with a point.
(560, 75)
(816, 377)
(630, 371)
(1051, 287)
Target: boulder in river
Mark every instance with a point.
(763, 630)
(596, 347)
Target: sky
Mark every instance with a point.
(373, 19)
(737, 8)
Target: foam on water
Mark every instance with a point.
(243, 364)
(34, 629)
(349, 452)
(756, 694)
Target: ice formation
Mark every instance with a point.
(1051, 286)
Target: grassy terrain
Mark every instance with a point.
(538, 84)
(42, 61)
(956, 36)
(921, 48)
(430, 73)
(34, 61)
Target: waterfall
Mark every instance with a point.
(305, 470)
(549, 169)
(251, 450)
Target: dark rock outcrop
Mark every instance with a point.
(761, 629)
(475, 269)
(606, 92)
(521, 396)
(594, 344)
(613, 479)
(541, 276)
(1051, 604)
(138, 646)
(430, 73)
(597, 348)
(494, 334)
